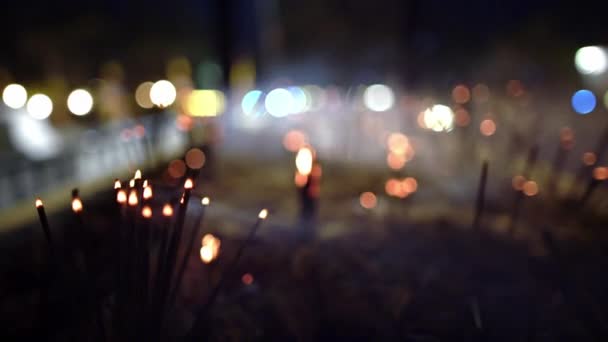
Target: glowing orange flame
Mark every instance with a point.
(147, 192)
(263, 214)
(76, 205)
(133, 200)
(167, 210)
(205, 201)
(210, 248)
(117, 184)
(38, 203)
(188, 184)
(132, 183)
(304, 159)
(146, 212)
(137, 174)
(181, 200)
(145, 184)
(121, 197)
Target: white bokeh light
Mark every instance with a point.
(163, 93)
(279, 102)
(378, 97)
(250, 102)
(39, 106)
(439, 118)
(591, 60)
(14, 96)
(80, 102)
(37, 139)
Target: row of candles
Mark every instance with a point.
(149, 270)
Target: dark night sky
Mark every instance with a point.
(74, 37)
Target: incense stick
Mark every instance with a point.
(481, 190)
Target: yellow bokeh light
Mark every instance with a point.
(80, 102)
(142, 95)
(439, 118)
(205, 102)
(14, 96)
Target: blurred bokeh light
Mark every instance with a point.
(14, 96)
(39, 106)
(80, 102)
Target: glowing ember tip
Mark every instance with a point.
(145, 184)
(132, 183)
(76, 205)
(146, 212)
(121, 197)
(304, 160)
(210, 248)
(147, 192)
(188, 184)
(205, 201)
(137, 174)
(38, 203)
(133, 198)
(117, 184)
(263, 214)
(167, 210)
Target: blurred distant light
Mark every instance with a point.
(300, 101)
(39, 106)
(316, 96)
(461, 94)
(530, 188)
(397, 143)
(600, 173)
(205, 102)
(294, 140)
(178, 67)
(589, 158)
(304, 159)
(566, 137)
(392, 187)
(195, 158)
(378, 97)
(518, 182)
(36, 139)
(481, 93)
(368, 200)
(487, 127)
(395, 161)
(177, 168)
(163, 93)
(462, 117)
(439, 118)
(14, 96)
(142, 95)
(80, 102)
(515, 88)
(279, 102)
(583, 101)
(250, 102)
(590, 60)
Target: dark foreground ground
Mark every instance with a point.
(385, 279)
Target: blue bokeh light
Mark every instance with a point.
(583, 101)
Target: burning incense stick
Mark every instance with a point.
(44, 222)
(229, 271)
(481, 190)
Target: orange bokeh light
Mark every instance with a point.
(566, 138)
(481, 93)
(518, 182)
(530, 188)
(368, 200)
(461, 94)
(395, 161)
(300, 180)
(487, 127)
(462, 117)
(177, 168)
(294, 140)
(515, 88)
(589, 158)
(600, 173)
(195, 158)
(247, 279)
(398, 143)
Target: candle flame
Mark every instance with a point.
(76, 205)
(263, 214)
(146, 212)
(210, 248)
(147, 192)
(167, 210)
(137, 174)
(132, 183)
(188, 184)
(304, 160)
(117, 184)
(38, 203)
(205, 201)
(133, 198)
(145, 184)
(121, 197)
